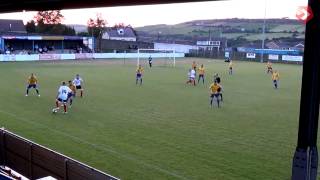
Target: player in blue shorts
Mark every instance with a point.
(139, 73)
(72, 94)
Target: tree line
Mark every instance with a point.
(50, 22)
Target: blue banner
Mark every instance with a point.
(276, 52)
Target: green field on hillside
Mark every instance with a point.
(252, 29)
(163, 129)
(288, 28)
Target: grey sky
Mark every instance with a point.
(177, 13)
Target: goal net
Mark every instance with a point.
(159, 57)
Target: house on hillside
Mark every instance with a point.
(121, 34)
(299, 46)
(285, 45)
(12, 26)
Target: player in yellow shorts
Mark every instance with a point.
(215, 90)
(275, 78)
(269, 67)
(231, 68)
(32, 83)
(201, 73)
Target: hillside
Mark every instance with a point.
(232, 29)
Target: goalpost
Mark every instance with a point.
(159, 56)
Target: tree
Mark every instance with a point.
(49, 17)
(49, 22)
(294, 35)
(96, 27)
(119, 25)
(83, 34)
(31, 26)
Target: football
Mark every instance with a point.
(54, 111)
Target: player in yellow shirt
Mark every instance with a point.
(269, 67)
(275, 78)
(72, 94)
(230, 67)
(201, 73)
(217, 79)
(139, 73)
(32, 83)
(215, 90)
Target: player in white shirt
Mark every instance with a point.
(78, 82)
(62, 97)
(192, 77)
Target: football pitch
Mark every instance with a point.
(163, 129)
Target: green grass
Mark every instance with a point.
(270, 36)
(233, 35)
(163, 129)
(190, 29)
(288, 28)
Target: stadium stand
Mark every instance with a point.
(34, 161)
(14, 39)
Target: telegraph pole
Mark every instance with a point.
(263, 30)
